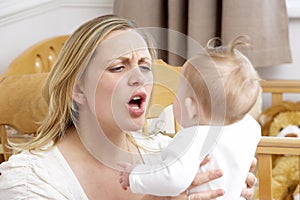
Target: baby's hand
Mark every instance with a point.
(126, 168)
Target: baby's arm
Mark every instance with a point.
(180, 164)
(160, 180)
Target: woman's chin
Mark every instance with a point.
(136, 125)
(129, 122)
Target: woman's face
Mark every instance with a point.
(118, 81)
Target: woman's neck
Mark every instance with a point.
(109, 151)
(88, 125)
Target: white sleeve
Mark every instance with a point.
(179, 166)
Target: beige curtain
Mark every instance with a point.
(265, 21)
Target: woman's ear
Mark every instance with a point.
(191, 107)
(78, 95)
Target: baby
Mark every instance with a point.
(216, 91)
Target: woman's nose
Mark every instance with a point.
(136, 77)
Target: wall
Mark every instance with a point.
(292, 70)
(289, 71)
(23, 23)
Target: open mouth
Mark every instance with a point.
(136, 104)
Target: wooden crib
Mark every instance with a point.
(269, 146)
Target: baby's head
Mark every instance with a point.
(223, 81)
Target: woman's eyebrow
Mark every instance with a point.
(127, 59)
(145, 59)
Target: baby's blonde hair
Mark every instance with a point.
(69, 66)
(226, 65)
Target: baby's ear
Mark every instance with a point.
(78, 95)
(191, 107)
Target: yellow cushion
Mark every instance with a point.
(21, 103)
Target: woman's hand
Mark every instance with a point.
(248, 192)
(202, 178)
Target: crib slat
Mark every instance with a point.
(267, 147)
(265, 176)
(279, 87)
(276, 145)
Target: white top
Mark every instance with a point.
(232, 149)
(47, 175)
(43, 176)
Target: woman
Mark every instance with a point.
(97, 92)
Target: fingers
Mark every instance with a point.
(253, 165)
(204, 177)
(206, 195)
(123, 186)
(251, 180)
(205, 160)
(248, 194)
(125, 166)
(123, 180)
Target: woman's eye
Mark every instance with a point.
(145, 68)
(117, 69)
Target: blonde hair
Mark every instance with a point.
(239, 79)
(70, 64)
